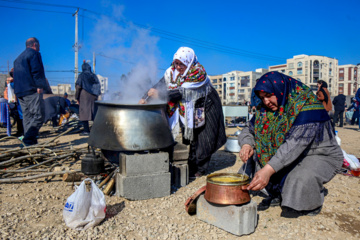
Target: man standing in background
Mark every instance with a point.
(29, 82)
(339, 105)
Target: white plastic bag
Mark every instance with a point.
(11, 94)
(352, 160)
(85, 209)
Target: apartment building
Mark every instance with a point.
(60, 89)
(311, 68)
(216, 81)
(349, 79)
(235, 87)
(103, 83)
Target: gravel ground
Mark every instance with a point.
(33, 210)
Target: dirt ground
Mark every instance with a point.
(33, 210)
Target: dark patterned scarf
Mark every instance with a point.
(297, 106)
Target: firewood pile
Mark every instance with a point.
(21, 164)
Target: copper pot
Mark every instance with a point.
(226, 188)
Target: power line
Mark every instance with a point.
(171, 36)
(31, 9)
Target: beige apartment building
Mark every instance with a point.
(103, 83)
(349, 79)
(235, 87)
(311, 68)
(61, 89)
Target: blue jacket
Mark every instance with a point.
(29, 73)
(357, 95)
(255, 100)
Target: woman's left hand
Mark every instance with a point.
(261, 178)
(154, 93)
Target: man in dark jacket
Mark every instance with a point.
(29, 82)
(339, 105)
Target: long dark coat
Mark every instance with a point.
(86, 100)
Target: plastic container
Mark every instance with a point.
(338, 140)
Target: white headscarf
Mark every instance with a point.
(186, 56)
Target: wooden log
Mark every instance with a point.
(109, 186)
(24, 179)
(72, 177)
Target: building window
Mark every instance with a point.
(330, 65)
(232, 84)
(215, 81)
(216, 87)
(330, 71)
(316, 64)
(341, 71)
(224, 79)
(291, 65)
(299, 64)
(290, 73)
(299, 71)
(341, 85)
(306, 63)
(232, 78)
(283, 71)
(241, 91)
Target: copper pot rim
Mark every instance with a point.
(244, 179)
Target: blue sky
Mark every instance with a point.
(142, 36)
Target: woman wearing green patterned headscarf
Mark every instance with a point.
(291, 141)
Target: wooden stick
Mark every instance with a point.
(18, 159)
(58, 136)
(107, 179)
(44, 162)
(23, 179)
(23, 171)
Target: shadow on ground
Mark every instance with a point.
(221, 160)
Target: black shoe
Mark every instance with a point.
(292, 213)
(84, 134)
(268, 202)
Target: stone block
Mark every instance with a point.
(142, 164)
(143, 186)
(236, 219)
(180, 175)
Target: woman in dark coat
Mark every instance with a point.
(87, 91)
(193, 100)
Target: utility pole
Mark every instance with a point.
(94, 60)
(76, 46)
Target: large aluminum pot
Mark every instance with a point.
(226, 188)
(130, 127)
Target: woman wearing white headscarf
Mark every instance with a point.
(193, 100)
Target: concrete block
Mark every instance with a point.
(142, 164)
(181, 152)
(144, 186)
(180, 175)
(236, 219)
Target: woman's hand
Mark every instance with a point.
(142, 101)
(246, 152)
(153, 93)
(261, 178)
